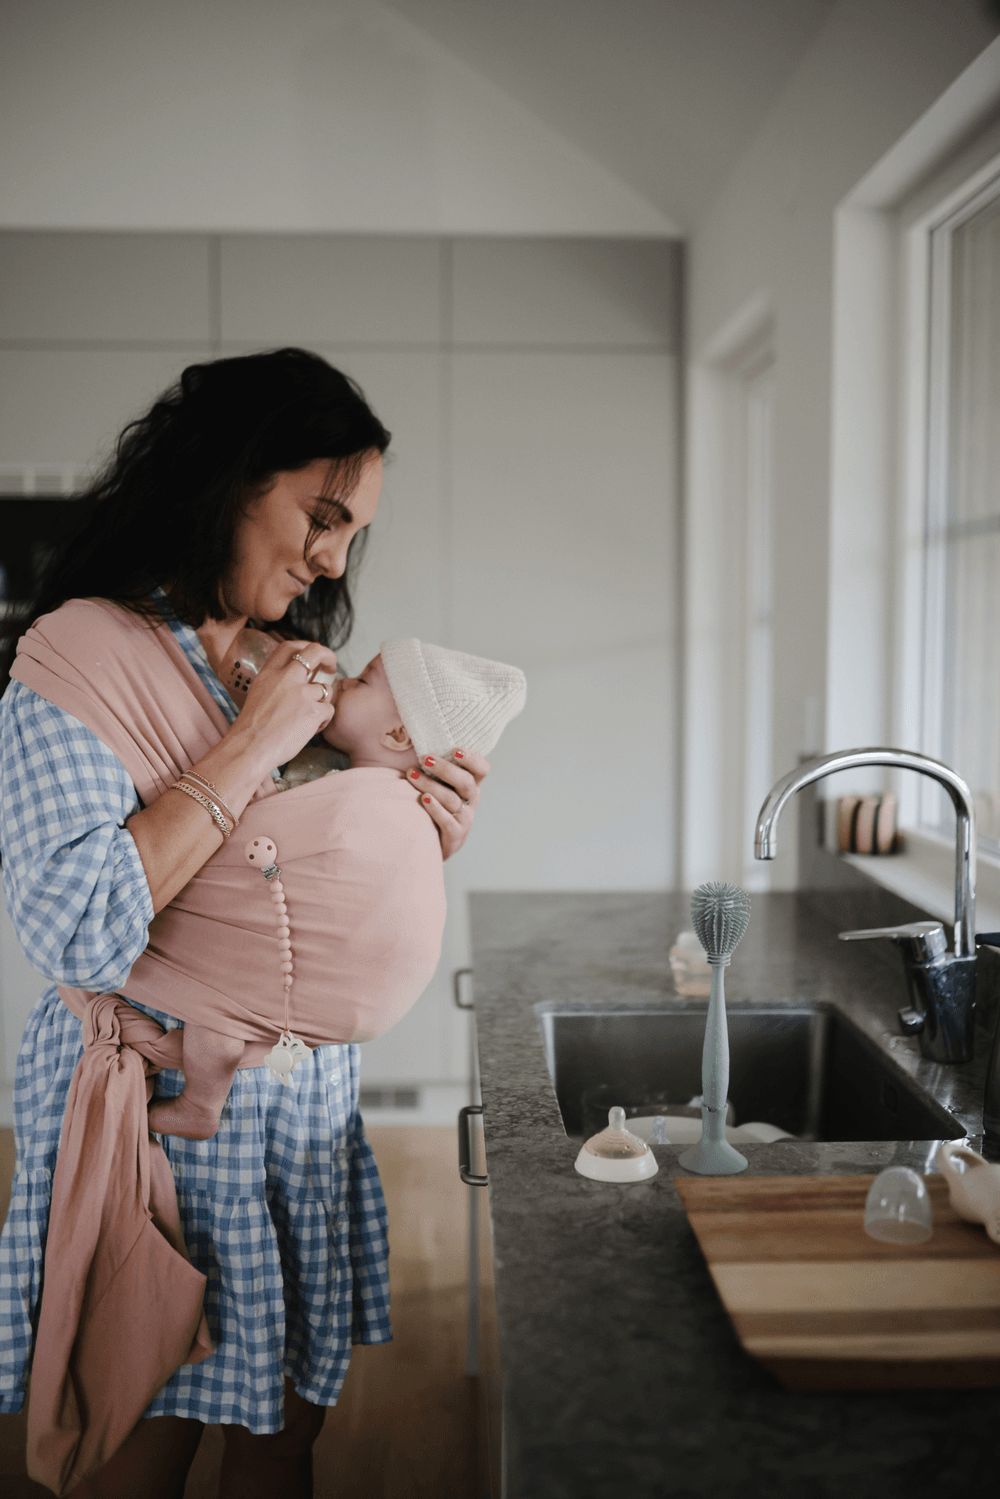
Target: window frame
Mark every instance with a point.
(944, 199)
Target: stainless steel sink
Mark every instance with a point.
(806, 1069)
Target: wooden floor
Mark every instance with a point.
(405, 1424)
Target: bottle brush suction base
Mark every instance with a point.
(713, 1158)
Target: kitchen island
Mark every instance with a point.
(622, 1375)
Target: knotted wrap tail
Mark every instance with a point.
(122, 1305)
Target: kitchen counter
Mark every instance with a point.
(622, 1374)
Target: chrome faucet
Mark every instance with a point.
(942, 984)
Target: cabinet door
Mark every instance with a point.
(564, 561)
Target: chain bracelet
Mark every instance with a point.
(209, 786)
(209, 805)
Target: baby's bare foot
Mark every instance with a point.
(180, 1116)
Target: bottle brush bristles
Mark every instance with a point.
(720, 914)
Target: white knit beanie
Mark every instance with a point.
(449, 698)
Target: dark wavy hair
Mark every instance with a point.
(164, 507)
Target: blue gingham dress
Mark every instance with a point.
(282, 1209)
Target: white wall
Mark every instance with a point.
(877, 66)
(335, 115)
(529, 511)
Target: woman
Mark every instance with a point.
(242, 495)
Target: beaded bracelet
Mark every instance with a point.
(210, 806)
(209, 786)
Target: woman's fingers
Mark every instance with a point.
(477, 765)
(451, 800)
(319, 664)
(449, 792)
(284, 705)
(453, 828)
(314, 655)
(461, 777)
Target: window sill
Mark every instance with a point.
(924, 874)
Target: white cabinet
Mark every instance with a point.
(68, 406)
(311, 289)
(129, 289)
(567, 293)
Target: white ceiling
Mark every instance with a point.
(662, 93)
(389, 116)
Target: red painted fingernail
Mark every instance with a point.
(428, 759)
(426, 800)
(415, 774)
(458, 755)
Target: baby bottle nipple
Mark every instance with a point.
(615, 1154)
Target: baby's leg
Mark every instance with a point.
(209, 1061)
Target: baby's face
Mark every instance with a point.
(366, 723)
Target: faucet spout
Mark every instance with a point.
(765, 839)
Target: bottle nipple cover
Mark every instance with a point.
(615, 1154)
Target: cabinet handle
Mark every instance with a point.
(465, 1147)
(456, 982)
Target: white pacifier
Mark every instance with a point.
(282, 1057)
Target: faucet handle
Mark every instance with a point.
(925, 941)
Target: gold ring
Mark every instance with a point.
(302, 661)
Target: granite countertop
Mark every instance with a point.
(622, 1374)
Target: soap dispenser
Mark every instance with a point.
(615, 1154)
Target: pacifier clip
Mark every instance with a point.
(262, 853)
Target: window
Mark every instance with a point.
(914, 568)
(958, 433)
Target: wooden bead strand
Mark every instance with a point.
(262, 853)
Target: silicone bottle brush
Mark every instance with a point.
(720, 914)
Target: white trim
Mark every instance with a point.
(945, 186)
(961, 109)
(703, 809)
(716, 808)
(755, 476)
(862, 466)
(909, 625)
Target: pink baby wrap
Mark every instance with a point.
(362, 871)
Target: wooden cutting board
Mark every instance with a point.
(825, 1307)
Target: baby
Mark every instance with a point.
(411, 700)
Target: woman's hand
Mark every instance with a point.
(284, 709)
(449, 790)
